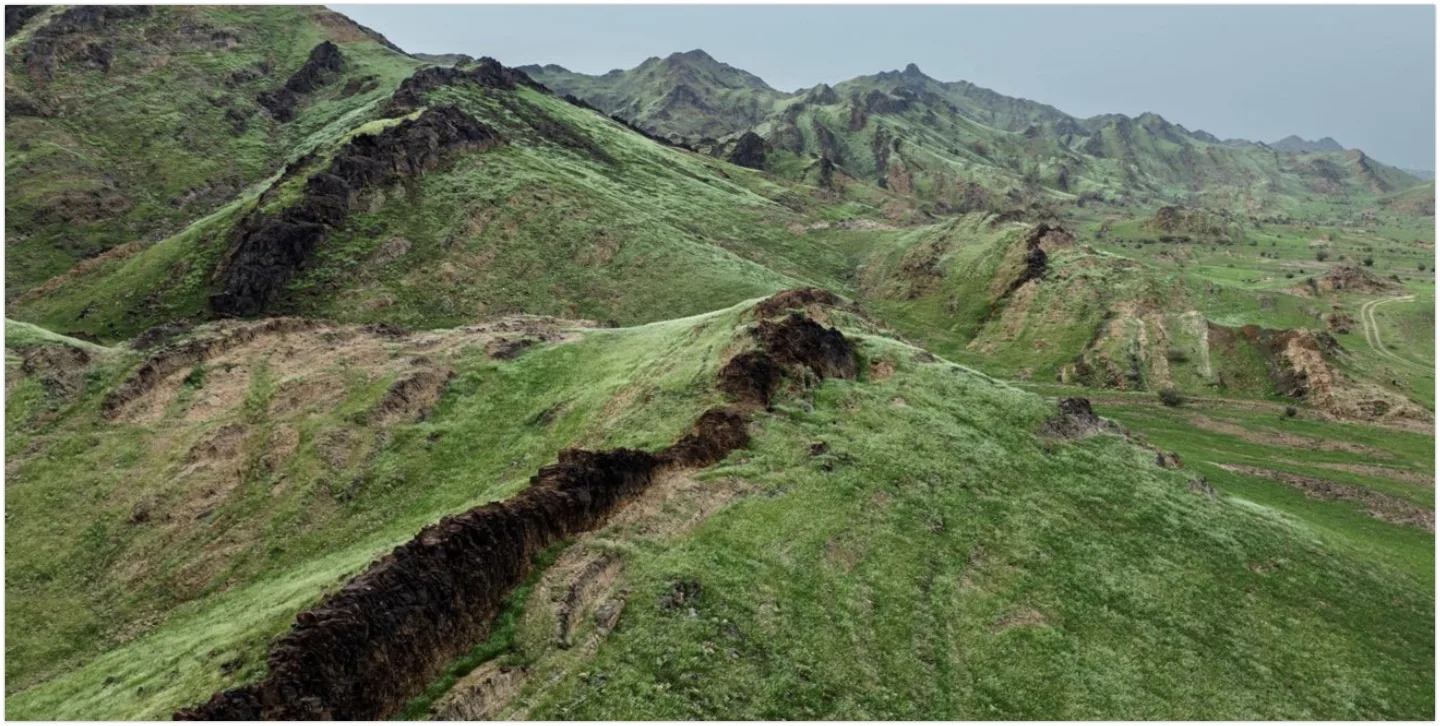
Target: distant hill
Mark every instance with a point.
(960, 147)
(1295, 145)
(690, 94)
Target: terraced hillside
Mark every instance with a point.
(368, 385)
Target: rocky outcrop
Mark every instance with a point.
(487, 73)
(67, 37)
(17, 15)
(749, 151)
(1349, 277)
(1038, 240)
(321, 69)
(793, 347)
(1074, 420)
(267, 249)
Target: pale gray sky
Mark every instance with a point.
(1362, 74)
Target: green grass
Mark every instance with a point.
(85, 581)
(904, 564)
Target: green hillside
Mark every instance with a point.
(352, 384)
(890, 540)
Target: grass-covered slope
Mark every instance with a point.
(124, 124)
(563, 212)
(911, 530)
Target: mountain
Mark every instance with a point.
(689, 94)
(432, 390)
(939, 141)
(1425, 174)
(1295, 145)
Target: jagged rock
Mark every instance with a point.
(267, 249)
(321, 69)
(749, 151)
(57, 41)
(487, 73)
(17, 15)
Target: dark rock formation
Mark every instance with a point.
(267, 249)
(17, 15)
(1075, 420)
(487, 73)
(794, 346)
(64, 38)
(749, 151)
(322, 68)
(365, 651)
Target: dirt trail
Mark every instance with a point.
(1372, 330)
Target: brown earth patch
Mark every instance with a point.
(1406, 476)
(1019, 618)
(412, 397)
(881, 370)
(482, 694)
(1281, 439)
(1377, 505)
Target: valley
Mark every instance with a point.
(345, 382)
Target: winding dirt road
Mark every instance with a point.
(1372, 330)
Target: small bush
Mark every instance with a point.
(1321, 255)
(1171, 397)
(1422, 266)
(1176, 355)
(1368, 261)
(1291, 412)
(1289, 275)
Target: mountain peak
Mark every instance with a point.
(1296, 145)
(912, 70)
(692, 56)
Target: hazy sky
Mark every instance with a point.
(1362, 74)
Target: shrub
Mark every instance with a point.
(1289, 275)
(1368, 261)
(1422, 266)
(1291, 412)
(1321, 255)
(1171, 397)
(1176, 355)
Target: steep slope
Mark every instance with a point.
(1055, 551)
(125, 123)
(461, 193)
(689, 94)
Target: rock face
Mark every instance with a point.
(266, 250)
(749, 151)
(322, 68)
